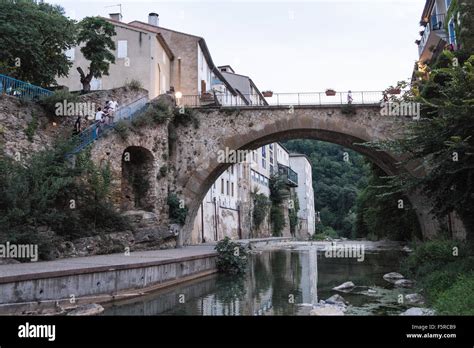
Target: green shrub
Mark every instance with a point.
(134, 85)
(47, 191)
(184, 117)
(232, 257)
(31, 128)
(458, 299)
(260, 208)
(277, 219)
(59, 96)
(122, 129)
(163, 171)
(177, 212)
(431, 256)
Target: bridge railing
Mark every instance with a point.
(287, 99)
(21, 89)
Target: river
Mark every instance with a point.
(285, 281)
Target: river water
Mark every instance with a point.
(280, 282)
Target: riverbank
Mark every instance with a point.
(53, 287)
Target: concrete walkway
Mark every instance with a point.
(98, 263)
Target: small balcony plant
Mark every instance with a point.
(267, 94)
(330, 92)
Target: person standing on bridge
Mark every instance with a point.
(349, 97)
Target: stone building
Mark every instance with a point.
(306, 214)
(194, 76)
(140, 54)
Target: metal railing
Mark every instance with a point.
(95, 130)
(295, 99)
(21, 89)
(436, 23)
(288, 174)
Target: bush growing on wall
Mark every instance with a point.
(232, 257)
(177, 212)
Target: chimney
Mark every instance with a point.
(116, 16)
(153, 19)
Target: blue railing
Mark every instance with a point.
(94, 131)
(21, 89)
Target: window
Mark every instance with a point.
(264, 163)
(227, 184)
(232, 190)
(264, 153)
(271, 169)
(70, 54)
(122, 49)
(222, 186)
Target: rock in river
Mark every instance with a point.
(337, 299)
(88, 309)
(404, 283)
(414, 299)
(347, 286)
(392, 277)
(418, 311)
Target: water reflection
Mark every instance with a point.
(280, 282)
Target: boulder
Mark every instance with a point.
(336, 299)
(418, 311)
(404, 283)
(152, 234)
(327, 309)
(88, 309)
(347, 286)
(415, 299)
(392, 277)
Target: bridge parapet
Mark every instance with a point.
(328, 98)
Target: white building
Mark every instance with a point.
(306, 214)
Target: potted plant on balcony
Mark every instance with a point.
(330, 92)
(267, 94)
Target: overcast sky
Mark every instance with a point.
(291, 46)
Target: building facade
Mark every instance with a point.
(305, 193)
(140, 54)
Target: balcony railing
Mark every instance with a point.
(288, 174)
(436, 23)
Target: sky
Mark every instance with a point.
(297, 46)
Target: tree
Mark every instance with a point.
(33, 41)
(443, 139)
(97, 35)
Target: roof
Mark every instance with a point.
(294, 154)
(425, 16)
(159, 37)
(204, 48)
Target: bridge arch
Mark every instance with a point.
(250, 128)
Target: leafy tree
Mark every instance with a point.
(34, 38)
(378, 215)
(443, 140)
(96, 33)
(336, 182)
(47, 190)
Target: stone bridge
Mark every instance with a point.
(184, 159)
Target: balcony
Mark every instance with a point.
(290, 176)
(433, 35)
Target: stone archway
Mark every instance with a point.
(137, 183)
(197, 165)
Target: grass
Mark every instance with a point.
(445, 275)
